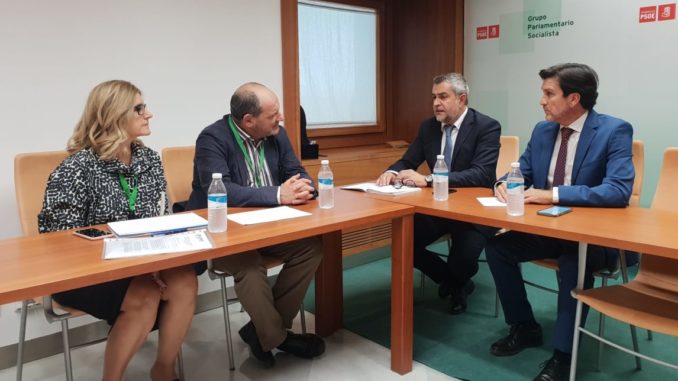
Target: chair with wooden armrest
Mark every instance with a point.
(650, 300)
(31, 171)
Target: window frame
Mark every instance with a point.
(358, 134)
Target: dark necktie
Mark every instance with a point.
(447, 150)
(559, 172)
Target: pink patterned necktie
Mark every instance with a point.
(559, 172)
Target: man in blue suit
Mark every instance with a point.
(254, 155)
(575, 157)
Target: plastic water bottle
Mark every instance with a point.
(440, 180)
(217, 205)
(325, 185)
(515, 188)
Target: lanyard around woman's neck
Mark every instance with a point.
(130, 193)
(248, 160)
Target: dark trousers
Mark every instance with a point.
(504, 254)
(468, 241)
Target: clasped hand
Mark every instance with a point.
(296, 190)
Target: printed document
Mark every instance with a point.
(115, 248)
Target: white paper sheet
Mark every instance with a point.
(490, 201)
(266, 215)
(115, 248)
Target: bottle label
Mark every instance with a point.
(326, 182)
(443, 174)
(513, 185)
(219, 199)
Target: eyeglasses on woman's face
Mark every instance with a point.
(140, 109)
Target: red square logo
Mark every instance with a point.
(481, 33)
(493, 31)
(667, 12)
(648, 14)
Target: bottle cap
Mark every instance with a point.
(324, 162)
(440, 157)
(216, 175)
(515, 164)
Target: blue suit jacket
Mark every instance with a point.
(217, 151)
(602, 174)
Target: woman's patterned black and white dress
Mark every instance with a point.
(85, 190)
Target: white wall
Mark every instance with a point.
(186, 56)
(636, 63)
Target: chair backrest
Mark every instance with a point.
(178, 165)
(508, 153)
(639, 167)
(655, 270)
(31, 171)
(664, 198)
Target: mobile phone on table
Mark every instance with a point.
(554, 211)
(92, 233)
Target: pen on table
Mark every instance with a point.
(168, 232)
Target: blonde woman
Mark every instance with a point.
(110, 176)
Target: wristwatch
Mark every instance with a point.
(429, 180)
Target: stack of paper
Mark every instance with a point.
(173, 223)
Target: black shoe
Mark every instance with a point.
(554, 369)
(445, 289)
(249, 335)
(459, 298)
(520, 337)
(306, 345)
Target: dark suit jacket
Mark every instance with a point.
(217, 151)
(474, 159)
(602, 174)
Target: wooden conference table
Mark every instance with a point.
(643, 230)
(59, 261)
(638, 229)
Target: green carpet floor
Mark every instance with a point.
(459, 345)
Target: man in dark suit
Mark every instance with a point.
(470, 142)
(575, 157)
(254, 155)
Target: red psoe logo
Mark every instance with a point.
(667, 12)
(481, 33)
(648, 14)
(494, 30)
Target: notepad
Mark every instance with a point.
(173, 223)
(388, 190)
